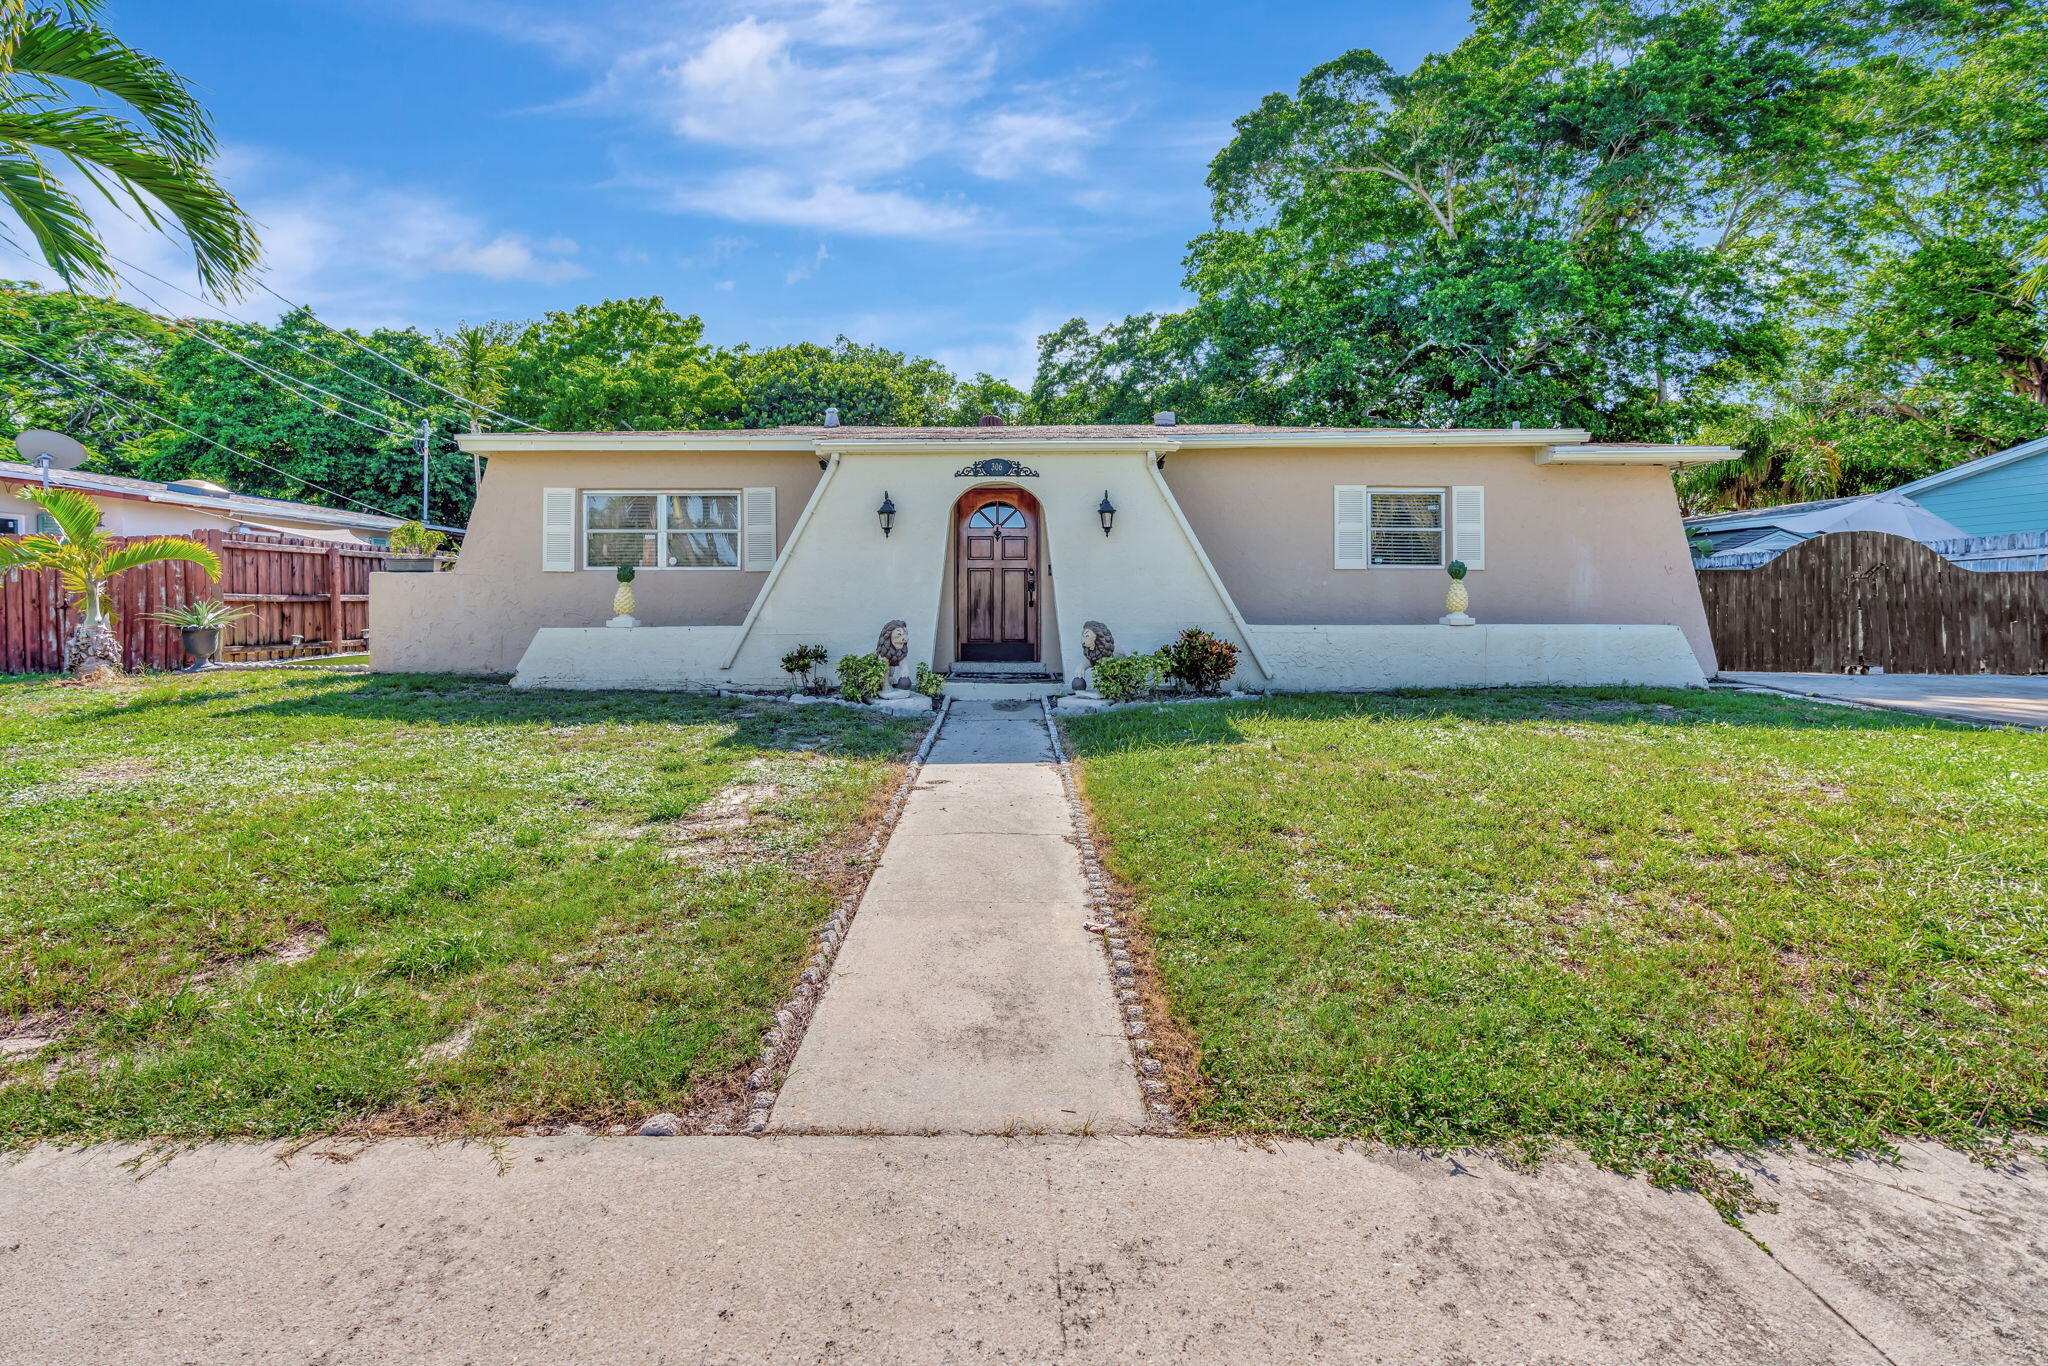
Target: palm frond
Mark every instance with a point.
(77, 517)
(28, 552)
(158, 550)
(52, 49)
(119, 157)
(54, 217)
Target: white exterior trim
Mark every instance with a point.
(1635, 455)
(1244, 631)
(1165, 439)
(796, 534)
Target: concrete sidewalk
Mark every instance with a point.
(924, 1251)
(2000, 699)
(968, 997)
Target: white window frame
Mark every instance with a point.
(1443, 526)
(739, 532)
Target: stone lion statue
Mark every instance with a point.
(894, 642)
(1096, 642)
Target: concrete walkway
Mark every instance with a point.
(2005, 699)
(926, 1251)
(968, 997)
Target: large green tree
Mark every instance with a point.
(871, 386)
(622, 365)
(110, 350)
(150, 149)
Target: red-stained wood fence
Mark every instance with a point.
(303, 597)
(1864, 599)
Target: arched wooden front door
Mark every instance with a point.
(996, 584)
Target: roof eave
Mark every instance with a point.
(1593, 454)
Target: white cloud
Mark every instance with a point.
(805, 269)
(761, 195)
(832, 113)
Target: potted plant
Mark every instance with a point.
(413, 546)
(199, 626)
(803, 664)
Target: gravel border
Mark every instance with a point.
(1102, 910)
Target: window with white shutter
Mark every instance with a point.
(1468, 525)
(759, 533)
(557, 530)
(1407, 527)
(1351, 527)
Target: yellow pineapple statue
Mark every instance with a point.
(1457, 600)
(622, 601)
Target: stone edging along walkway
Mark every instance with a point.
(1115, 939)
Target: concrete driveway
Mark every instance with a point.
(2004, 699)
(912, 1251)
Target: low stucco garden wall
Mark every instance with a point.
(1365, 658)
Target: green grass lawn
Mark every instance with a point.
(1649, 924)
(284, 903)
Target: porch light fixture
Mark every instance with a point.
(887, 512)
(1107, 512)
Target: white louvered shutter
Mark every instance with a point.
(1468, 525)
(759, 529)
(1353, 538)
(557, 530)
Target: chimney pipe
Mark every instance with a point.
(831, 417)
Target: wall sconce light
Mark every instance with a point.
(1107, 512)
(887, 512)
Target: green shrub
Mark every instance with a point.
(1200, 661)
(803, 662)
(412, 538)
(1127, 678)
(862, 677)
(930, 682)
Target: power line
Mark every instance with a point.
(270, 332)
(239, 455)
(364, 346)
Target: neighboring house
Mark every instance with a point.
(1766, 531)
(142, 507)
(1990, 513)
(1319, 551)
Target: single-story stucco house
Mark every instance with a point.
(1320, 552)
(145, 507)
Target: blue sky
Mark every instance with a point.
(946, 178)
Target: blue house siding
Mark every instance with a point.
(1992, 502)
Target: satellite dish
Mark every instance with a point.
(63, 452)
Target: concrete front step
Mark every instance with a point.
(982, 691)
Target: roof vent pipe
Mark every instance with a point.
(831, 417)
(990, 420)
(1164, 418)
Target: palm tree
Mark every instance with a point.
(160, 160)
(84, 559)
(476, 360)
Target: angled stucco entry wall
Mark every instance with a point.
(841, 579)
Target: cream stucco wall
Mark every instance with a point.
(478, 617)
(1221, 538)
(1564, 543)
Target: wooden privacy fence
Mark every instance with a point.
(303, 597)
(1865, 599)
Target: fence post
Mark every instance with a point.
(334, 625)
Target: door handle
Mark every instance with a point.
(1031, 587)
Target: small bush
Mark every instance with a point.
(413, 538)
(1128, 677)
(1199, 661)
(930, 682)
(803, 663)
(862, 677)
